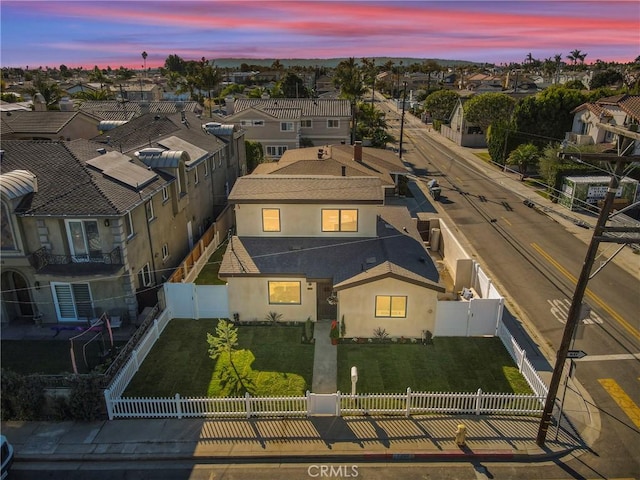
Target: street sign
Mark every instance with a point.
(576, 354)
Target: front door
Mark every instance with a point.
(326, 310)
(16, 295)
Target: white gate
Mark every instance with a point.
(323, 404)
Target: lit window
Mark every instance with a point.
(339, 220)
(284, 293)
(391, 306)
(270, 220)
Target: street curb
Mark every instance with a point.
(506, 455)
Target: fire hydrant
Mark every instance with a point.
(461, 435)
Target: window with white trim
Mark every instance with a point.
(144, 276)
(196, 178)
(73, 301)
(306, 124)
(84, 239)
(148, 208)
(165, 194)
(391, 306)
(284, 293)
(339, 220)
(128, 225)
(286, 126)
(165, 251)
(206, 167)
(333, 123)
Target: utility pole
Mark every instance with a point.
(404, 101)
(573, 317)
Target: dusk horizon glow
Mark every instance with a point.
(88, 33)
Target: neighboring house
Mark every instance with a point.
(610, 121)
(462, 132)
(340, 160)
(48, 125)
(86, 87)
(123, 111)
(216, 156)
(143, 92)
(281, 124)
(87, 228)
(325, 246)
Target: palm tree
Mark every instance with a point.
(523, 156)
(576, 55)
(144, 59)
(348, 78)
(50, 91)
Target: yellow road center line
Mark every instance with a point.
(623, 400)
(596, 299)
(508, 222)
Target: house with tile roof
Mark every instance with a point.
(323, 242)
(123, 111)
(612, 121)
(282, 124)
(91, 227)
(48, 125)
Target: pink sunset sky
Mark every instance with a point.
(115, 33)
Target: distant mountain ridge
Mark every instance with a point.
(332, 62)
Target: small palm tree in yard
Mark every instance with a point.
(523, 156)
(225, 343)
(273, 317)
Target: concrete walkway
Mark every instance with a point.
(325, 360)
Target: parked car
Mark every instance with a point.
(7, 457)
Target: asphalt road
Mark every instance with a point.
(535, 261)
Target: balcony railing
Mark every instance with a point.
(42, 257)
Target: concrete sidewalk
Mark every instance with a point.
(357, 438)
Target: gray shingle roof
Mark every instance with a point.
(114, 110)
(68, 187)
(307, 189)
(393, 252)
(48, 122)
(146, 131)
(284, 107)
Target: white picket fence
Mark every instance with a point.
(408, 403)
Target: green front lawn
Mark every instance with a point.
(209, 273)
(271, 361)
(451, 364)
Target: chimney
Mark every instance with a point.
(357, 151)
(344, 170)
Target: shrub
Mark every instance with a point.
(273, 317)
(86, 401)
(308, 330)
(380, 334)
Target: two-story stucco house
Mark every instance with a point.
(610, 120)
(281, 124)
(87, 228)
(324, 246)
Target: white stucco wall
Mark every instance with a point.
(357, 304)
(298, 220)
